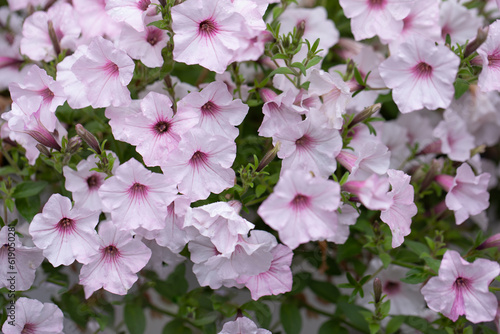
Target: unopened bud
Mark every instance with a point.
(74, 145)
(482, 34)
(493, 241)
(365, 114)
(377, 290)
(163, 3)
(478, 150)
(268, 157)
(53, 38)
(301, 28)
(44, 137)
(43, 150)
(88, 137)
(349, 70)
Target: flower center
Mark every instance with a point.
(391, 288)
(138, 191)
(376, 4)
(47, 95)
(143, 4)
(208, 28)
(461, 283)
(300, 201)
(111, 68)
(423, 70)
(154, 36)
(494, 59)
(209, 108)
(161, 127)
(93, 181)
(29, 329)
(66, 224)
(110, 253)
(303, 141)
(198, 158)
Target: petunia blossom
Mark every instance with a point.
(115, 265)
(33, 316)
(65, 234)
(105, 71)
(421, 75)
(137, 197)
(242, 325)
(302, 208)
(489, 51)
(461, 288)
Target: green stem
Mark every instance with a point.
(9, 158)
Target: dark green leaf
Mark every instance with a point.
(386, 259)
(461, 86)
(291, 318)
(175, 285)
(28, 207)
(358, 77)
(262, 312)
(161, 24)
(28, 189)
(9, 203)
(206, 319)
(259, 190)
(325, 290)
(176, 326)
(6, 170)
(332, 327)
(281, 70)
(394, 324)
(313, 61)
(300, 66)
(135, 319)
(417, 247)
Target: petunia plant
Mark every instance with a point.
(249, 166)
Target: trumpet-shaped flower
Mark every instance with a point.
(65, 234)
(461, 288)
(33, 316)
(115, 265)
(131, 12)
(489, 51)
(421, 75)
(302, 208)
(105, 71)
(137, 197)
(242, 325)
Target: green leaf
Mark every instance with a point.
(279, 56)
(175, 285)
(262, 312)
(325, 290)
(433, 263)
(461, 86)
(358, 77)
(315, 60)
(300, 66)
(135, 319)
(417, 247)
(332, 326)
(6, 170)
(394, 324)
(281, 70)
(291, 318)
(385, 307)
(28, 189)
(176, 326)
(161, 24)
(9, 203)
(259, 190)
(414, 276)
(206, 319)
(374, 328)
(28, 207)
(386, 259)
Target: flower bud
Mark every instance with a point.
(44, 137)
(377, 290)
(365, 114)
(266, 160)
(434, 170)
(493, 241)
(482, 34)
(74, 145)
(43, 150)
(53, 38)
(88, 137)
(301, 28)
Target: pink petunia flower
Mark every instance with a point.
(27, 259)
(132, 12)
(115, 265)
(33, 316)
(369, 156)
(65, 234)
(421, 75)
(242, 325)
(36, 42)
(153, 128)
(279, 112)
(145, 45)
(461, 288)
(376, 17)
(94, 20)
(75, 90)
(459, 22)
(399, 214)
(277, 279)
(105, 71)
(220, 222)
(372, 192)
(201, 164)
(455, 139)
(137, 197)
(489, 51)
(309, 147)
(467, 193)
(217, 111)
(37, 83)
(302, 208)
(207, 33)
